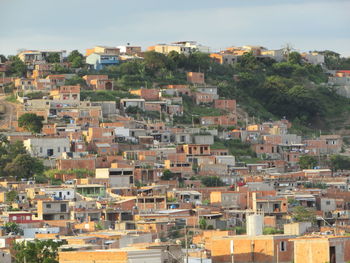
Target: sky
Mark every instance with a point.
(80, 24)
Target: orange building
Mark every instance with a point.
(264, 248)
(195, 77)
(147, 94)
(320, 249)
(228, 105)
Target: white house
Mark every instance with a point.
(47, 147)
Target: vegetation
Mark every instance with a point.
(31, 122)
(340, 162)
(16, 162)
(307, 162)
(17, 67)
(235, 146)
(302, 214)
(11, 196)
(203, 223)
(37, 251)
(53, 58)
(168, 175)
(271, 231)
(79, 173)
(212, 181)
(11, 227)
(76, 59)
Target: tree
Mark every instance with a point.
(294, 58)
(17, 67)
(11, 227)
(11, 196)
(339, 162)
(76, 58)
(302, 214)
(53, 58)
(3, 59)
(307, 162)
(211, 181)
(31, 122)
(167, 175)
(37, 251)
(202, 223)
(24, 166)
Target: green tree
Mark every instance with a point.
(37, 251)
(211, 181)
(271, 231)
(294, 58)
(76, 58)
(3, 59)
(31, 122)
(167, 175)
(307, 162)
(11, 227)
(302, 214)
(17, 67)
(24, 166)
(53, 58)
(202, 223)
(339, 162)
(11, 196)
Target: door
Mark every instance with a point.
(332, 258)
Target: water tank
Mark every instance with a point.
(255, 224)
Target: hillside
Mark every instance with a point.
(263, 88)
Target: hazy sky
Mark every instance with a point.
(80, 24)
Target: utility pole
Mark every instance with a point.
(186, 243)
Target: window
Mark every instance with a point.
(58, 149)
(48, 205)
(14, 218)
(328, 202)
(283, 246)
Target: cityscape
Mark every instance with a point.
(174, 152)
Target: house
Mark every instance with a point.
(228, 199)
(129, 50)
(227, 105)
(222, 120)
(66, 94)
(53, 210)
(247, 248)
(186, 196)
(99, 61)
(147, 94)
(204, 98)
(223, 59)
(91, 190)
(118, 177)
(103, 50)
(321, 248)
(195, 77)
(98, 82)
(166, 49)
(59, 193)
(124, 255)
(47, 147)
(140, 103)
(39, 56)
(194, 149)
